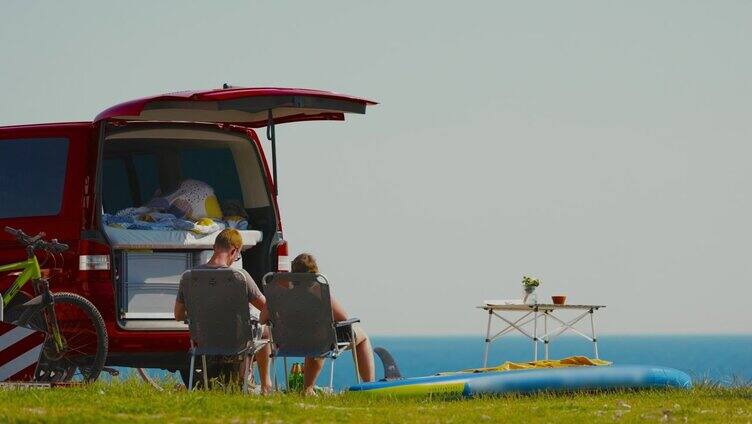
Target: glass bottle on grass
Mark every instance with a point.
(296, 377)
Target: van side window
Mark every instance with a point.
(32, 174)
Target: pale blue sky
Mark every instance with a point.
(601, 146)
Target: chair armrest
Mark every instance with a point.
(346, 322)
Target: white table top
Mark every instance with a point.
(540, 306)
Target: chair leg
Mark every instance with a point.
(191, 371)
(246, 370)
(331, 374)
(354, 354)
(287, 377)
(274, 370)
(250, 370)
(273, 355)
(205, 372)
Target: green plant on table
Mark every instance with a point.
(530, 283)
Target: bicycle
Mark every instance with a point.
(76, 343)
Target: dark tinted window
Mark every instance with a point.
(116, 193)
(32, 176)
(134, 179)
(215, 167)
(145, 167)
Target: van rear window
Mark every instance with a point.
(32, 176)
(132, 179)
(215, 167)
(129, 181)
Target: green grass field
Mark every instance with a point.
(133, 401)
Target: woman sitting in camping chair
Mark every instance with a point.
(306, 263)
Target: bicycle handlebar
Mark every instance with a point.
(57, 246)
(37, 242)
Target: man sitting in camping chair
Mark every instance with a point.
(306, 263)
(227, 249)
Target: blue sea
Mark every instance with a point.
(726, 359)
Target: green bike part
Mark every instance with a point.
(57, 337)
(31, 271)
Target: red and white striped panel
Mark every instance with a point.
(20, 348)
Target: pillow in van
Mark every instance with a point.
(192, 200)
(235, 215)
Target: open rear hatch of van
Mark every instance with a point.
(250, 107)
(159, 141)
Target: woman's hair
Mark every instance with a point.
(305, 262)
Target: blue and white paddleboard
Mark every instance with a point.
(533, 380)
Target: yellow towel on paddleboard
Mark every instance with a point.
(572, 361)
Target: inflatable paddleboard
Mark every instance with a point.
(532, 380)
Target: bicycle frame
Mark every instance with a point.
(30, 271)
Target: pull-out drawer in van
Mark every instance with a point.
(149, 282)
(150, 279)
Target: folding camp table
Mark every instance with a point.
(531, 314)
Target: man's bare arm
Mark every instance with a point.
(179, 311)
(259, 302)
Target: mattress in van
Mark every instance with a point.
(121, 238)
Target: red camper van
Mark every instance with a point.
(73, 180)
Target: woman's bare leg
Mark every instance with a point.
(364, 352)
(311, 370)
(263, 358)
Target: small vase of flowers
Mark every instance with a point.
(528, 285)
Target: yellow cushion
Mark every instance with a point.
(211, 205)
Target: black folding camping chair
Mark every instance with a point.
(219, 320)
(301, 322)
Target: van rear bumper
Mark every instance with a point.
(147, 348)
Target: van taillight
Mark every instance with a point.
(283, 261)
(93, 256)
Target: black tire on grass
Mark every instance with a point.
(80, 322)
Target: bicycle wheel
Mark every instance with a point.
(85, 336)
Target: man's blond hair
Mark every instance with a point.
(229, 238)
